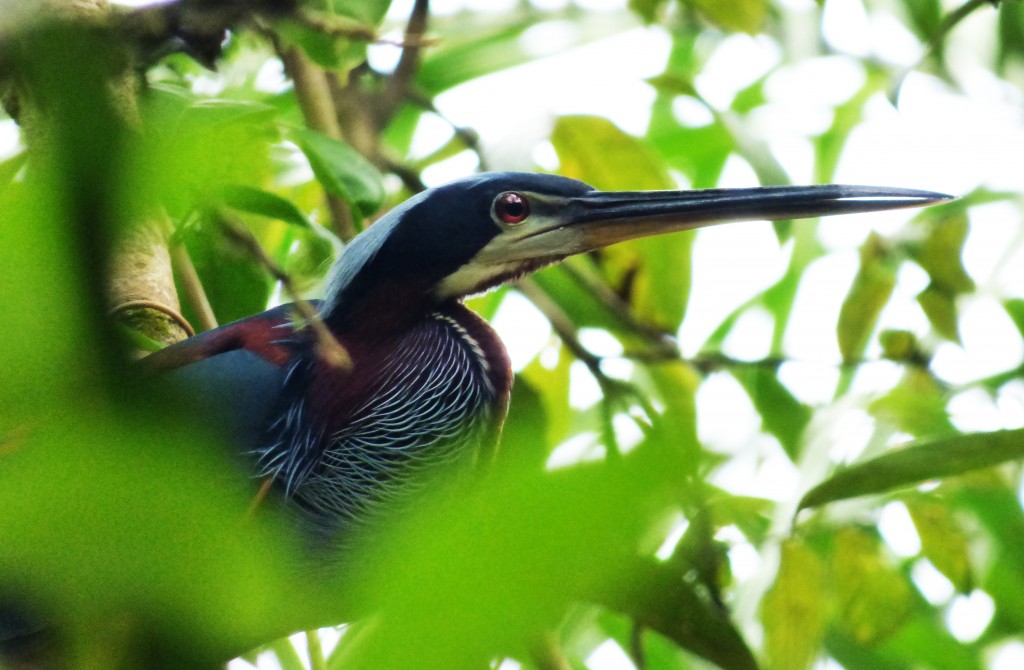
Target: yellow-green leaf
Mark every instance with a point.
(653, 274)
(872, 287)
(873, 598)
(939, 306)
(793, 610)
(741, 15)
(943, 540)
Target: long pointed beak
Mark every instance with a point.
(560, 226)
(601, 218)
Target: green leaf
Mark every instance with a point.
(940, 254)
(1015, 309)
(872, 287)
(940, 308)
(873, 598)
(265, 203)
(917, 405)
(235, 283)
(943, 540)
(194, 149)
(740, 15)
(1011, 34)
(919, 462)
(782, 415)
(342, 171)
(793, 610)
(925, 17)
(648, 10)
(653, 273)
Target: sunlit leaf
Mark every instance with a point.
(873, 597)
(794, 608)
(917, 405)
(943, 540)
(940, 308)
(872, 287)
(654, 273)
(919, 462)
(743, 15)
(782, 415)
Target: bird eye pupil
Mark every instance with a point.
(511, 207)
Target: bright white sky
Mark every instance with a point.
(935, 139)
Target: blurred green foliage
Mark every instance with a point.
(131, 528)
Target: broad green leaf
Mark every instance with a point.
(873, 597)
(921, 641)
(794, 608)
(235, 283)
(782, 415)
(741, 15)
(520, 545)
(653, 273)
(919, 462)
(342, 171)
(265, 203)
(197, 148)
(917, 405)
(943, 540)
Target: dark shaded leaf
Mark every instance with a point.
(265, 203)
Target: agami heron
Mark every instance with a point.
(430, 380)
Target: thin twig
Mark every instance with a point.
(313, 93)
(329, 348)
(192, 286)
(316, 651)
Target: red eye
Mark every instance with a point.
(511, 208)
